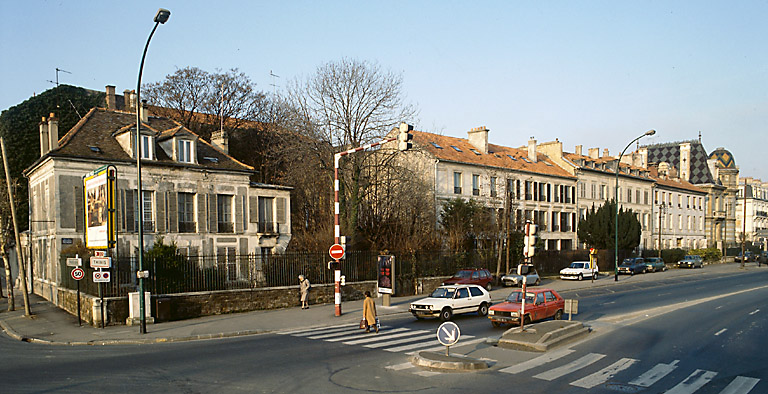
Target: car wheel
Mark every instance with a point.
(483, 309)
(538, 282)
(558, 314)
(446, 314)
(495, 324)
(527, 319)
(581, 277)
(596, 275)
(488, 286)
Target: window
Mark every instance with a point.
(463, 292)
(474, 151)
(679, 222)
(493, 186)
(475, 185)
(602, 192)
(629, 195)
(645, 198)
(637, 197)
(146, 147)
(550, 297)
(184, 153)
(540, 298)
(266, 215)
(147, 224)
(186, 212)
(594, 191)
(455, 148)
(656, 197)
(582, 190)
(435, 144)
(224, 213)
(475, 291)
(456, 183)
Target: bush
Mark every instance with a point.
(672, 256)
(709, 254)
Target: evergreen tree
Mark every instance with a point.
(597, 229)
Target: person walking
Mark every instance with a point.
(304, 286)
(369, 312)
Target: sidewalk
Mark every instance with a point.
(51, 325)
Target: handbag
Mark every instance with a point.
(363, 323)
(378, 325)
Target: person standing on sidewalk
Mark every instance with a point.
(369, 312)
(304, 286)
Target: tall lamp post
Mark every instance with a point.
(616, 195)
(161, 17)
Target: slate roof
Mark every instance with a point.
(442, 148)
(586, 163)
(676, 183)
(94, 137)
(670, 153)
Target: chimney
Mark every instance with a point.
(53, 132)
(532, 150)
(685, 161)
(219, 139)
(129, 100)
(605, 152)
(594, 153)
(111, 98)
(144, 110)
(578, 150)
(663, 170)
(44, 137)
(478, 137)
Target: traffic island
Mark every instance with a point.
(452, 362)
(542, 336)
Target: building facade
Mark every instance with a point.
(678, 217)
(752, 218)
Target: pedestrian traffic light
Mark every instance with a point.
(529, 241)
(404, 138)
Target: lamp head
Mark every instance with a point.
(162, 15)
(650, 132)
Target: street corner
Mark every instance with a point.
(543, 336)
(448, 362)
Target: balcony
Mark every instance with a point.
(187, 227)
(267, 227)
(226, 227)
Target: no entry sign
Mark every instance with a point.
(78, 273)
(336, 251)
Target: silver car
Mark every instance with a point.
(516, 279)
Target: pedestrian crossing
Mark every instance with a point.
(397, 340)
(555, 366)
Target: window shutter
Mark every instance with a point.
(201, 205)
(280, 207)
(253, 209)
(213, 214)
(160, 216)
(173, 212)
(130, 220)
(238, 201)
(79, 208)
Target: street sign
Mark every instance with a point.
(101, 262)
(74, 262)
(448, 333)
(78, 273)
(101, 276)
(572, 306)
(100, 253)
(336, 251)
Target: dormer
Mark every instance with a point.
(126, 137)
(179, 144)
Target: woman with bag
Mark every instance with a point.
(304, 287)
(369, 313)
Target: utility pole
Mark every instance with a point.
(661, 228)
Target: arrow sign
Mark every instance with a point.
(448, 333)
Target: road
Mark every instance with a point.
(698, 332)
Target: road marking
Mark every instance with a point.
(608, 303)
(378, 338)
(427, 373)
(740, 385)
(573, 366)
(604, 374)
(398, 367)
(435, 348)
(719, 307)
(537, 362)
(654, 374)
(310, 331)
(755, 311)
(399, 341)
(693, 382)
(368, 336)
(721, 331)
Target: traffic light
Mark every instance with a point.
(529, 241)
(404, 138)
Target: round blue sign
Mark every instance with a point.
(448, 333)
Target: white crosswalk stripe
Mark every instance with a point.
(537, 362)
(604, 374)
(384, 337)
(693, 382)
(573, 366)
(740, 385)
(654, 374)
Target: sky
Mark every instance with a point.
(591, 73)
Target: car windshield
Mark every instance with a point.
(577, 265)
(516, 296)
(463, 274)
(628, 262)
(442, 292)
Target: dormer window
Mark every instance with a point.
(147, 147)
(184, 152)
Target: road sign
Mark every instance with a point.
(100, 253)
(101, 276)
(74, 262)
(448, 333)
(101, 262)
(78, 273)
(336, 251)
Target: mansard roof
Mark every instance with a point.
(670, 152)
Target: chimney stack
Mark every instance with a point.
(578, 150)
(605, 153)
(144, 110)
(594, 153)
(532, 150)
(53, 132)
(219, 139)
(111, 104)
(44, 139)
(478, 137)
(129, 100)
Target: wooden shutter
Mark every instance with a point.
(280, 208)
(160, 212)
(253, 209)
(201, 218)
(213, 214)
(173, 212)
(130, 220)
(79, 208)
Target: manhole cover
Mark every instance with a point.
(623, 388)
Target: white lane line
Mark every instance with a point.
(399, 341)
(442, 348)
(755, 311)
(693, 382)
(361, 334)
(398, 367)
(310, 331)
(608, 303)
(537, 362)
(604, 374)
(721, 331)
(573, 366)
(427, 373)
(740, 385)
(654, 374)
(382, 337)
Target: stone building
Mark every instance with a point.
(755, 193)
(678, 218)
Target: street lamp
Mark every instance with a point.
(161, 17)
(616, 195)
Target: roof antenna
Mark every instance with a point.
(699, 136)
(274, 86)
(57, 76)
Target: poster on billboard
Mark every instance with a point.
(386, 269)
(99, 201)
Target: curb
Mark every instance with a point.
(548, 340)
(440, 361)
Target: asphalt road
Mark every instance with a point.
(652, 333)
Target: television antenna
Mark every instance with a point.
(58, 70)
(273, 84)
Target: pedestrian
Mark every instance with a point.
(304, 287)
(369, 313)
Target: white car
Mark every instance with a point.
(578, 270)
(448, 300)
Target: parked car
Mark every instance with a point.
(749, 257)
(654, 264)
(449, 300)
(691, 261)
(633, 265)
(515, 278)
(539, 304)
(578, 270)
(472, 276)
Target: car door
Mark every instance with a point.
(551, 303)
(539, 308)
(462, 300)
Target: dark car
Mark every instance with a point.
(471, 276)
(633, 265)
(655, 264)
(749, 257)
(691, 261)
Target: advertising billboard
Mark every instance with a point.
(386, 269)
(99, 201)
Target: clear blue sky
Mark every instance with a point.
(594, 73)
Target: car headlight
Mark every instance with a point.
(491, 312)
(513, 314)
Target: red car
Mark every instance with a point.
(471, 276)
(539, 304)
